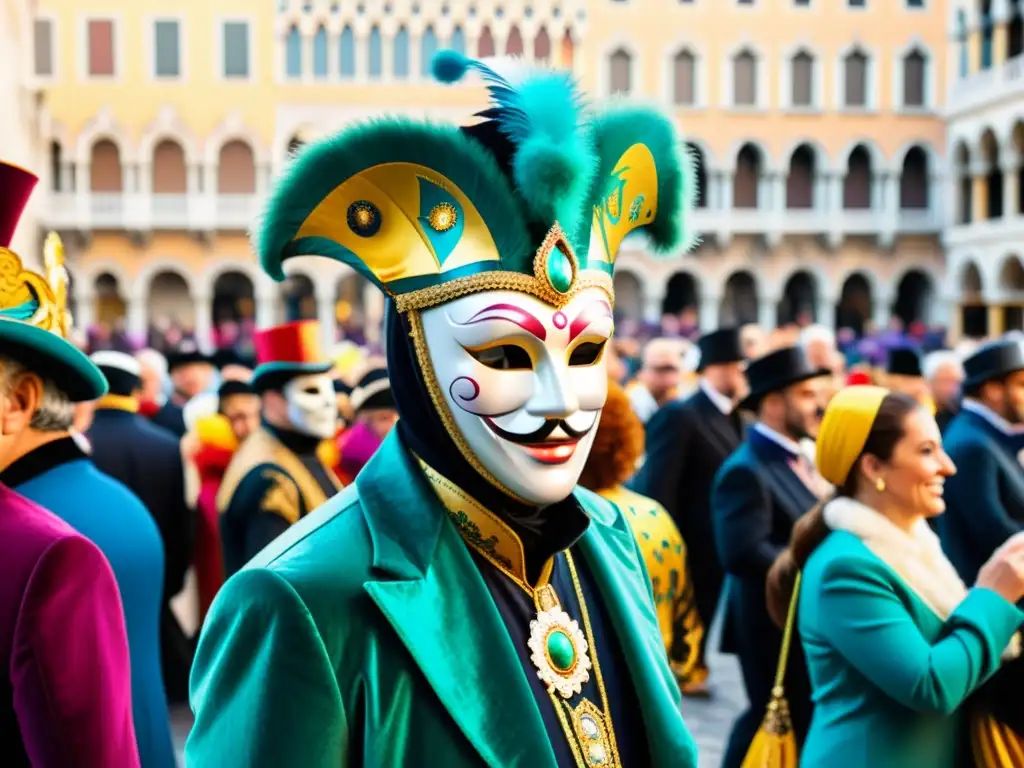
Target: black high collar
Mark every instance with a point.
(296, 442)
(42, 459)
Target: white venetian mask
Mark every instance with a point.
(312, 409)
(525, 383)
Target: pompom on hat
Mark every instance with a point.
(848, 420)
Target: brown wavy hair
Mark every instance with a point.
(810, 530)
(618, 445)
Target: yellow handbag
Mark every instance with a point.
(774, 745)
(995, 745)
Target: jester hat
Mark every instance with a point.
(536, 198)
(34, 320)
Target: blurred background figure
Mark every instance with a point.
(617, 448)
(659, 378)
(155, 381)
(944, 374)
(191, 373)
(373, 407)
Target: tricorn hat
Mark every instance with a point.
(993, 361)
(34, 320)
(719, 348)
(776, 371)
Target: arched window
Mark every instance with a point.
(347, 60)
(376, 56)
(428, 47)
(744, 79)
(986, 34)
(514, 44)
(293, 53)
(961, 35)
(320, 53)
(400, 65)
(542, 46)
(458, 41)
(915, 73)
(802, 79)
(620, 65)
(485, 44)
(684, 77)
(855, 81)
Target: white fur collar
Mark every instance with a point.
(916, 557)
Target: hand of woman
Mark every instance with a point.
(1004, 571)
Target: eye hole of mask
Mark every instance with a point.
(507, 357)
(587, 353)
(311, 391)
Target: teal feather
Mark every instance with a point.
(327, 163)
(543, 116)
(617, 130)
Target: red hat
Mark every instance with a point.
(17, 185)
(289, 349)
(858, 378)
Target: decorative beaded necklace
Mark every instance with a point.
(558, 647)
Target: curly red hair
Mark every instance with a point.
(618, 445)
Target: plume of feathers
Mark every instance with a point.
(542, 115)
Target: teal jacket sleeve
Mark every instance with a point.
(263, 689)
(863, 618)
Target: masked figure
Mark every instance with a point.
(277, 475)
(66, 667)
(373, 404)
(463, 603)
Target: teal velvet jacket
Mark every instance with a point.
(366, 636)
(888, 674)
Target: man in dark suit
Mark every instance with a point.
(687, 441)
(191, 373)
(148, 459)
(985, 498)
(759, 493)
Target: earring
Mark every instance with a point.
(880, 485)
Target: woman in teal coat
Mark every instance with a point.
(895, 642)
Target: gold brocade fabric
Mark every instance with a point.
(665, 557)
(587, 727)
(995, 745)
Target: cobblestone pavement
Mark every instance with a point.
(709, 720)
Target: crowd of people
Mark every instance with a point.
(505, 541)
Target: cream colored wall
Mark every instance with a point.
(201, 111)
(19, 126)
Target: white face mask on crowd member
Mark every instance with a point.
(312, 409)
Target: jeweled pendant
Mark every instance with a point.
(559, 651)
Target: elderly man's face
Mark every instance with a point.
(662, 373)
(945, 385)
(152, 382)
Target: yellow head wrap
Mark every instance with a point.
(845, 429)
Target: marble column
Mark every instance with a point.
(328, 316)
(996, 320)
(203, 308)
(767, 311)
(709, 308)
(979, 197)
(1010, 168)
(881, 309)
(267, 302)
(137, 320)
(85, 310)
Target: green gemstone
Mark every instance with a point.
(561, 650)
(559, 270)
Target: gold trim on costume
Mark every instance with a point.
(587, 729)
(261, 447)
(118, 403)
(20, 286)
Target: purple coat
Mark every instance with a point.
(67, 699)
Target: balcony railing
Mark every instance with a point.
(989, 86)
(201, 212)
(141, 212)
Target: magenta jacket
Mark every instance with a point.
(66, 700)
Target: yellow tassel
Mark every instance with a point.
(995, 745)
(774, 745)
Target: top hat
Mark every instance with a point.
(993, 361)
(222, 358)
(776, 371)
(187, 353)
(904, 361)
(288, 350)
(719, 348)
(33, 308)
(122, 371)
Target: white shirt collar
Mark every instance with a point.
(778, 439)
(722, 403)
(992, 417)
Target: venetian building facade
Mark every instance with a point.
(19, 125)
(985, 140)
(817, 127)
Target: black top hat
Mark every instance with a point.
(719, 348)
(993, 361)
(904, 361)
(222, 358)
(187, 354)
(776, 371)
